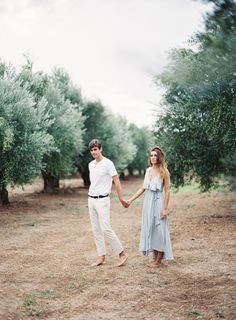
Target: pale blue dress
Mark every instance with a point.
(154, 231)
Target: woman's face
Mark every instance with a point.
(153, 157)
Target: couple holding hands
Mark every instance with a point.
(154, 236)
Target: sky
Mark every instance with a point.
(112, 49)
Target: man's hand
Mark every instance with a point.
(124, 203)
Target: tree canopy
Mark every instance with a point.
(23, 141)
(112, 131)
(198, 124)
(66, 128)
(46, 125)
(143, 140)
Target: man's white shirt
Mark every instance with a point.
(101, 174)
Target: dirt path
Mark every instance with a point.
(47, 247)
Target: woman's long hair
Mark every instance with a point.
(161, 162)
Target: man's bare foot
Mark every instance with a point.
(122, 259)
(98, 262)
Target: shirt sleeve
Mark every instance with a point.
(112, 170)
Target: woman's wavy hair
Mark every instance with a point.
(161, 161)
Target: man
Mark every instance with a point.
(102, 172)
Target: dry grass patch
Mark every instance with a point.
(47, 248)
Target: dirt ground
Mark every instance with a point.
(47, 248)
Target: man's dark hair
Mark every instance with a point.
(95, 143)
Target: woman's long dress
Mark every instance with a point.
(154, 231)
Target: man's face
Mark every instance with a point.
(96, 152)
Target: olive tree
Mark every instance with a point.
(198, 124)
(64, 108)
(23, 140)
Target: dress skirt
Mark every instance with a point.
(154, 231)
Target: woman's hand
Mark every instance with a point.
(128, 202)
(163, 214)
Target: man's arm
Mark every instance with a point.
(118, 187)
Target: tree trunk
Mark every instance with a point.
(122, 175)
(130, 170)
(85, 177)
(51, 182)
(4, 195)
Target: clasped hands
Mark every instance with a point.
(125, 203)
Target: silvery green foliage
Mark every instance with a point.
(198, 124)
(67, 131)
(143, 139)
(95, 127)
(119, 147)
(6, 135)
(23, 142)
(112, 131)
(70, 91)
(67, 121)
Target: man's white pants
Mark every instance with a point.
(99, 211)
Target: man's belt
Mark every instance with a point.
(98, 197)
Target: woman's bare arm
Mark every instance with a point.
(136, 195)
(167, 196)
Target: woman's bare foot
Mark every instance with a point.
(154, 264)
(157, 261)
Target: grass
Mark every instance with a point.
(32, 307)
(192, 312)
(49, 260)
(48, 294)
(31, 223)
(72, 285)
(193, 187)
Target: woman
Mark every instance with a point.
(154, 231)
